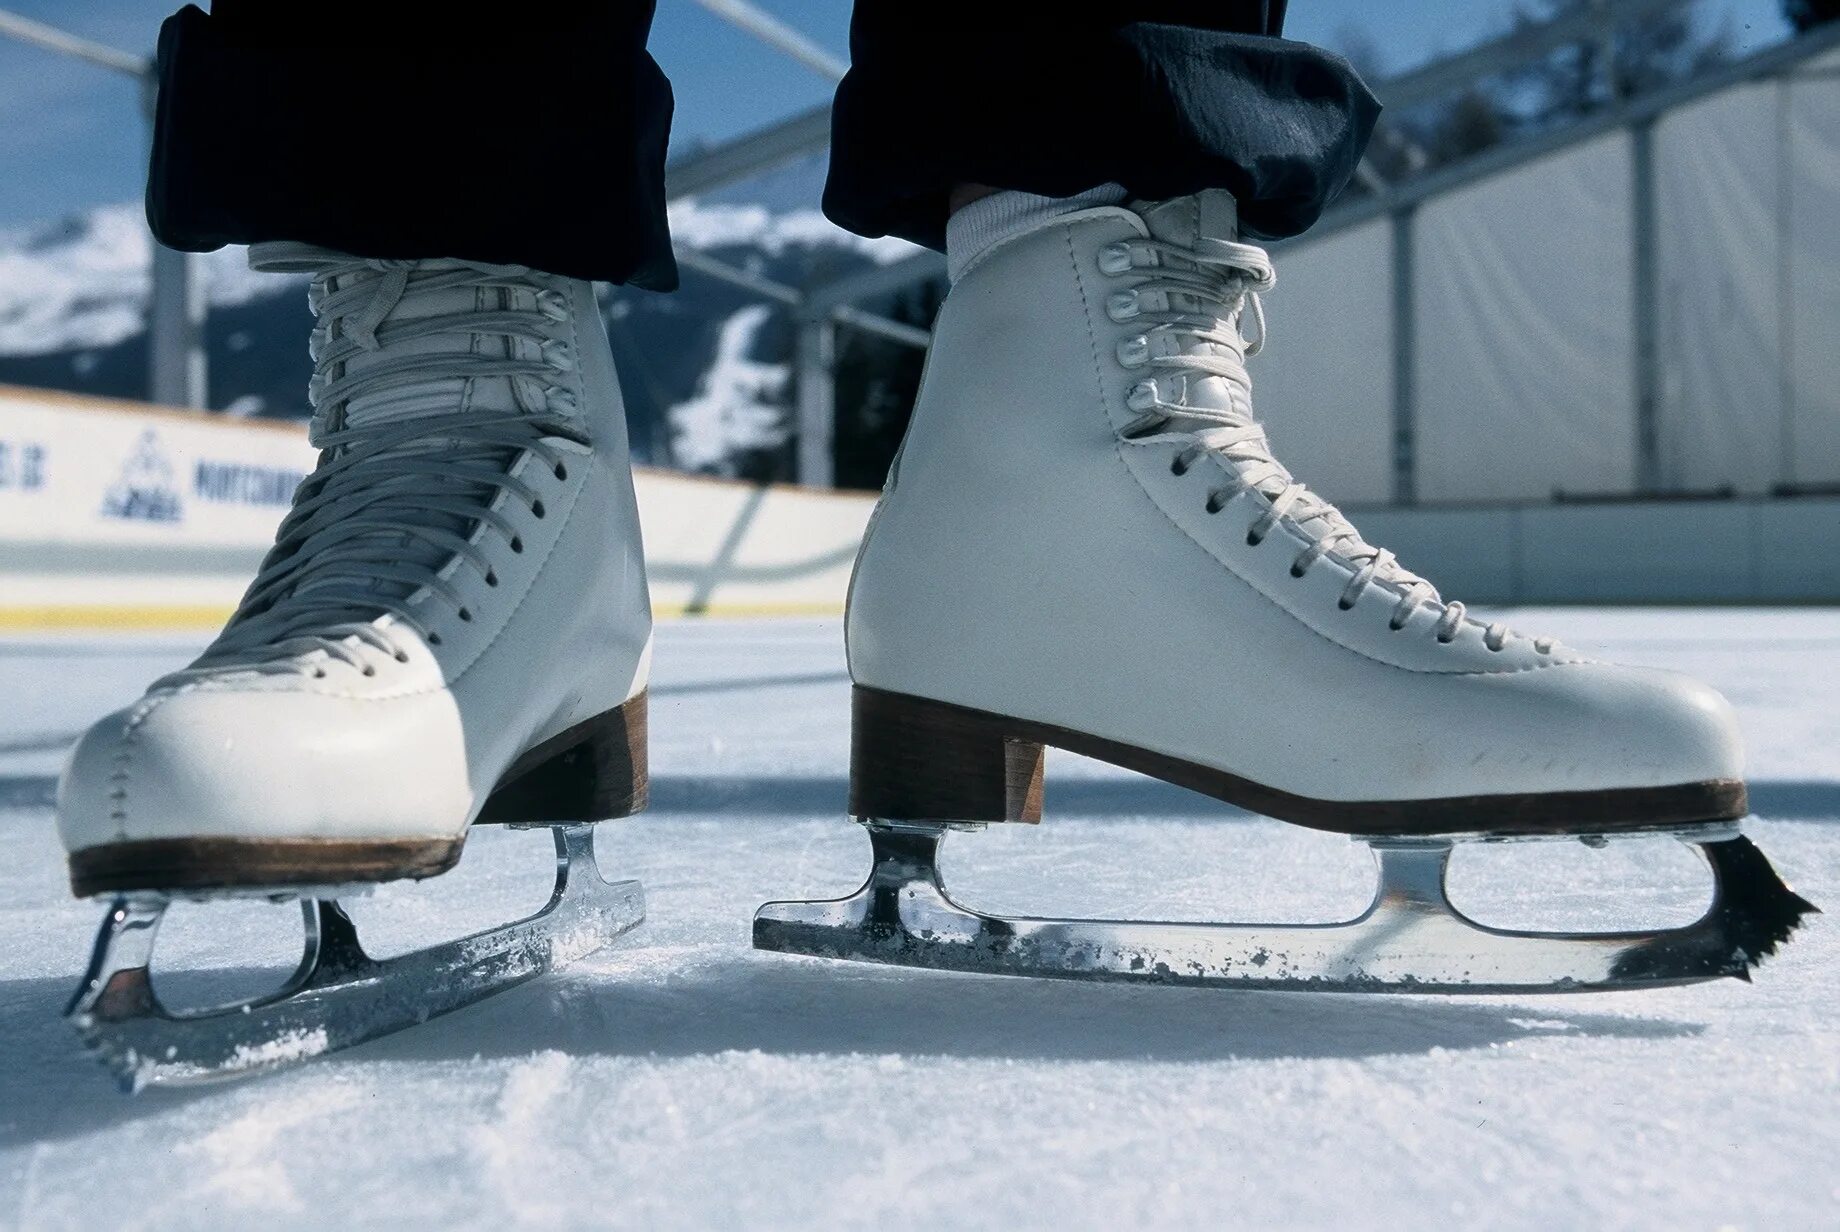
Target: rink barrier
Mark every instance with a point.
(117, 515)
(1765, 550)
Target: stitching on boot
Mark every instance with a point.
(122, 761)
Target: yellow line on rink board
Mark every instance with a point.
(113, 616)
(179, 617)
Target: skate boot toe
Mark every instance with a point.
(208, 787)
(1618, 727)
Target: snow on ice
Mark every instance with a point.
(681, 1080)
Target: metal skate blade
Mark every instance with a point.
(266, 894)
(1412, 939)
(338, 996)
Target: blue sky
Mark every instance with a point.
(71, 135)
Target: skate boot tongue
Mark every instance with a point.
(431, 379)
(1213, 285)
(1202, 386)
(382, 355)
(1185, 221)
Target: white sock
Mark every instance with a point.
(977, 228)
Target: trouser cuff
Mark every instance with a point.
(549, 153)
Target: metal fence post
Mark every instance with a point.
(177, 375)
(817, 426)
(175, 330)
(1405, 361)
(1645, 305)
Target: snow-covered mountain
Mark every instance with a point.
(705, 370)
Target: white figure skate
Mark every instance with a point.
(453, 627)
(1087, 543)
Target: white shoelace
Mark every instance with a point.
(1208, 291)
(398, 496)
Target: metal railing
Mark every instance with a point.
(176, 303)
(176, 310)
(1635, 116)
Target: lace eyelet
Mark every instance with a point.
(434, 639)
(1115, 259)
(319, 673)
(491, 578)
(537, 510)
(369, 670)
(1395, 627)
(402, 656)
(1344, 605)
(1495, 649)
(1252, 540)
(1178, 467)
(1297, 572)
(466, 615)
(1214, 504)
(517, 544)
(1444, 641)
(557, 355)
(562, 472)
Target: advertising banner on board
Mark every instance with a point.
(114, 514)
(94, 472)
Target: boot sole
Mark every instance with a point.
(915, 759)
(593, 771)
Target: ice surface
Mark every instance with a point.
(682, 1080)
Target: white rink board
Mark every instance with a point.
(683, 1081)
(1710, 551)
(87, 471)
(118, 514)
(715, 547)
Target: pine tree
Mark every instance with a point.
(877, 381)
(1664, 47)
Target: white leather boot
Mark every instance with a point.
(453, 625)
(1087, 542)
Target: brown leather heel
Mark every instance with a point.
(594, 771)
(917, 760)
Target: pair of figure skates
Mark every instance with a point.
(1085, 542)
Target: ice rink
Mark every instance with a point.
(682, 1080)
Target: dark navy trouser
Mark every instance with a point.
(418, 128)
